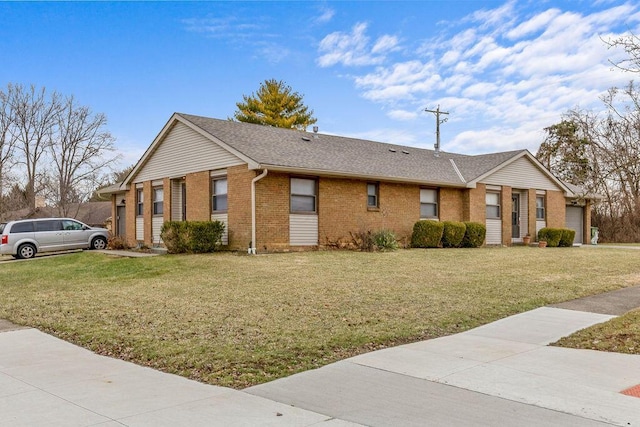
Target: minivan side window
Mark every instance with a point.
(22, 227)
(48, 225)
(71, 225)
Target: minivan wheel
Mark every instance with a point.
(99, 243)
(26, 250)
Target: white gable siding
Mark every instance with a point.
(185, 151)
(521, 174)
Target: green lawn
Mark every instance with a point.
(237, 320)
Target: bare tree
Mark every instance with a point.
(7, 143)
(601, 153)
(34, 112)
(631, 45)
(80, 152)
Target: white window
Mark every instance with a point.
(540, 214)
(219, 194)
(428, 203)
(303, 195)
(158, 199)
(139, 202)
(372, 195)
(493, 205)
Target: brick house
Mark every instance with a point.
(280, 189)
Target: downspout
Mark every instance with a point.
(252, 248)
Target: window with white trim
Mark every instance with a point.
(540, 208)
(139, 202)
(158, 200)
(304, 194)
(428, 203)
(493, 205)
(219, 195)
(372, 195)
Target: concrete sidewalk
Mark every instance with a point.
(500, 374)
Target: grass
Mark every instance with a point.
(620, 335)
(235, 320)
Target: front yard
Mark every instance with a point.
(236, 320)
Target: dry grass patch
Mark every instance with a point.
(236, 320)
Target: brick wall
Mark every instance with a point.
(198, 196)
(531, 210)
(451, 204)
(506, 205)
(556, 209)
(343, 210)
(166, 205)
(474, 204)
(272, 212)
(239, 206)
(147, 206)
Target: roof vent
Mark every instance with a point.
(393, 150)
(315, 132)
(405, 151)
(306, 138)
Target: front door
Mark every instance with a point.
(120, 221)
(515, 216)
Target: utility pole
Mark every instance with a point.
(437, 112)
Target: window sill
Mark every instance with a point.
(373, 209)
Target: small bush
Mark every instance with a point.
(427, 234)
(551, 235)
(192, 236)
(453, 234)
(363, 241)
(385, 240)
(568, 235)
(474, 235)
(117, 243)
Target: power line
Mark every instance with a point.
(437, 112)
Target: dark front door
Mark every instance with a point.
(121, 228)
(515, 216)
(183, 189)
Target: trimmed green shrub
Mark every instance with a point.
(551, 235)
(474, 235)
(385, 240)
(192, 236)
(427, 234)
(453, 234)
(568, 235)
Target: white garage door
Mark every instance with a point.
(574, 221)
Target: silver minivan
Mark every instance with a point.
(25, 238)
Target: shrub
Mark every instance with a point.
(474, 235)
(427, 234)
(117, 243)
(551, 235)
(453, 234)
(192, 236)
(385, 240)
(568, 235)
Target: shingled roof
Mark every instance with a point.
(278, 148)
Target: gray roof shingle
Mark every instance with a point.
(285, 148)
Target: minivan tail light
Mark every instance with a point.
(5, 239)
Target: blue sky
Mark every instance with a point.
(504, 70)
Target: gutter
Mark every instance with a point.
(252, 245)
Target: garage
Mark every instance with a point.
(574, 221)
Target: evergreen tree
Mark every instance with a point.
(275, 104)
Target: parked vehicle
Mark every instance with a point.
(25, 238)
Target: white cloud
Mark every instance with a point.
(520, 69)
(326, 15)
(354, 49)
